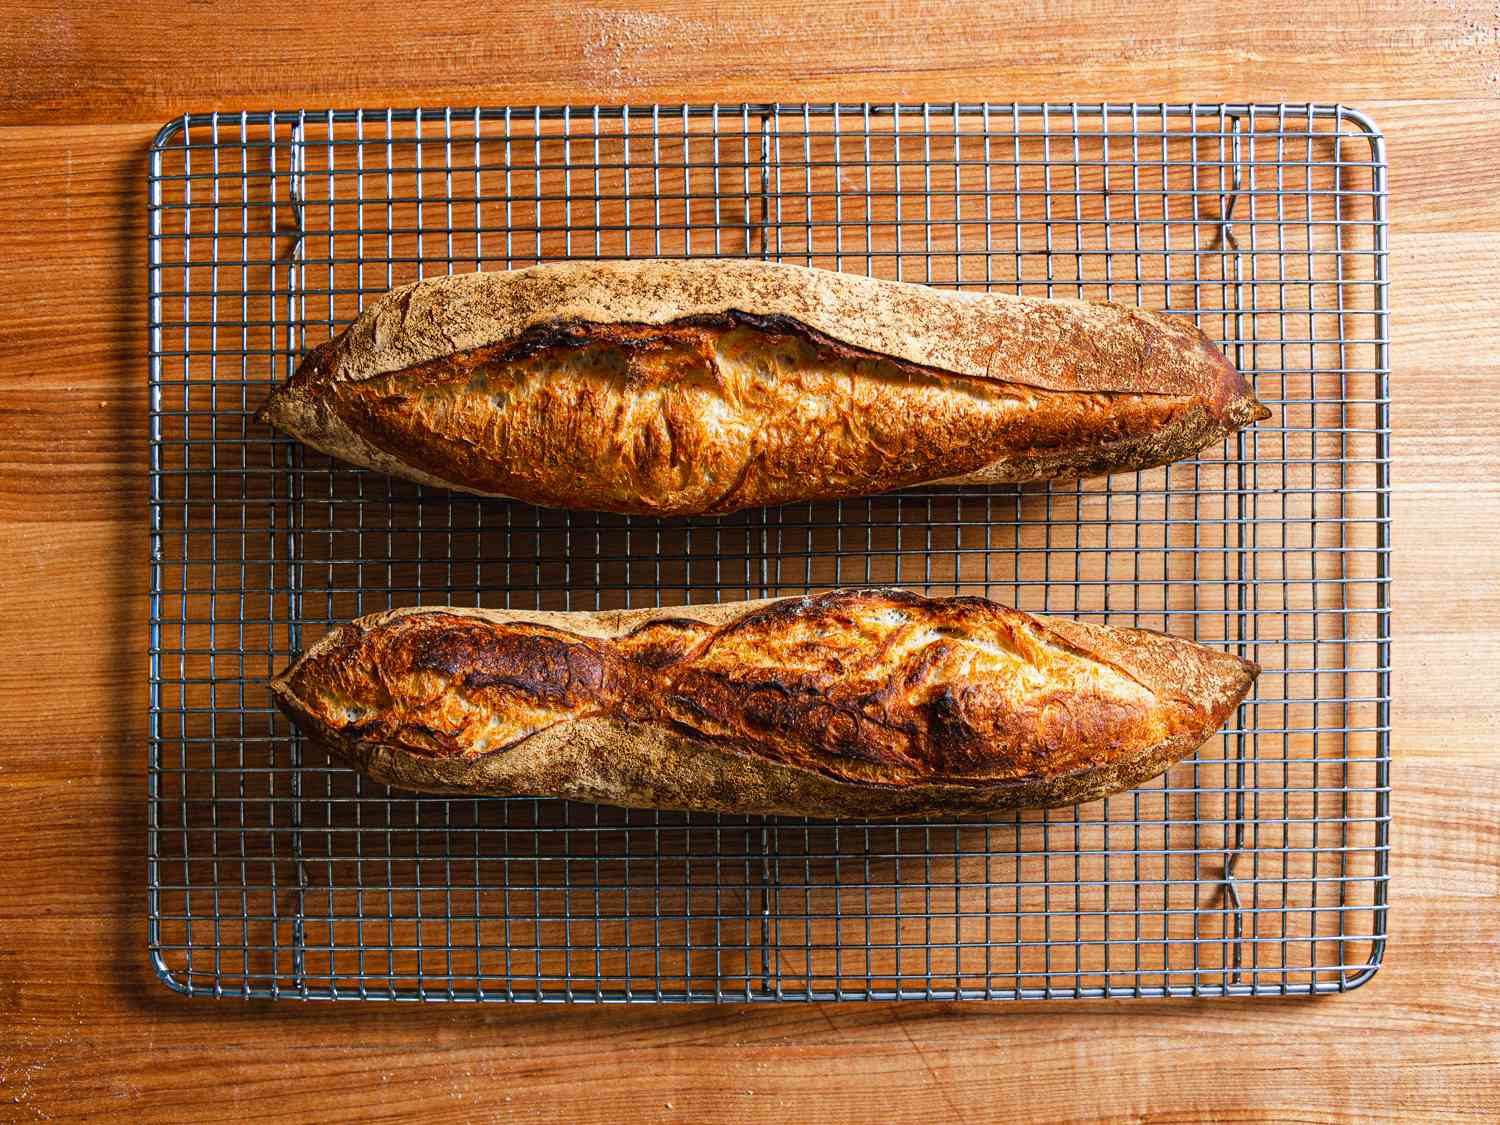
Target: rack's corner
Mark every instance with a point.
(166, 976)
(167, 132)
(1368, 971)
(1366, 125)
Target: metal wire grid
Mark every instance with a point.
(1258, 867)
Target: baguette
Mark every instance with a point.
(697, 387)
(846, 704)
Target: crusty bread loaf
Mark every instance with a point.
(706, 386)
(851, 703)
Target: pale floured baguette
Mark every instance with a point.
(706, 386)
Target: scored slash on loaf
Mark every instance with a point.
(844, 704)
(675, 388)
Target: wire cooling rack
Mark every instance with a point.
(1257, 867)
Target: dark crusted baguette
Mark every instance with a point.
(706, 386)
(851, 703)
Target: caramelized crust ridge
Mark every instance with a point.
(866, 690)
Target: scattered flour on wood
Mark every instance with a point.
(618, 45)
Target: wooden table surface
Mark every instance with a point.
(86, 1031)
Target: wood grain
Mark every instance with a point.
(86, 1032)
(120, 61)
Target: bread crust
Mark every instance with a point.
(706, 386)
(853, 703)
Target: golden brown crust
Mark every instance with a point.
(677, 388)
(874, 702)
